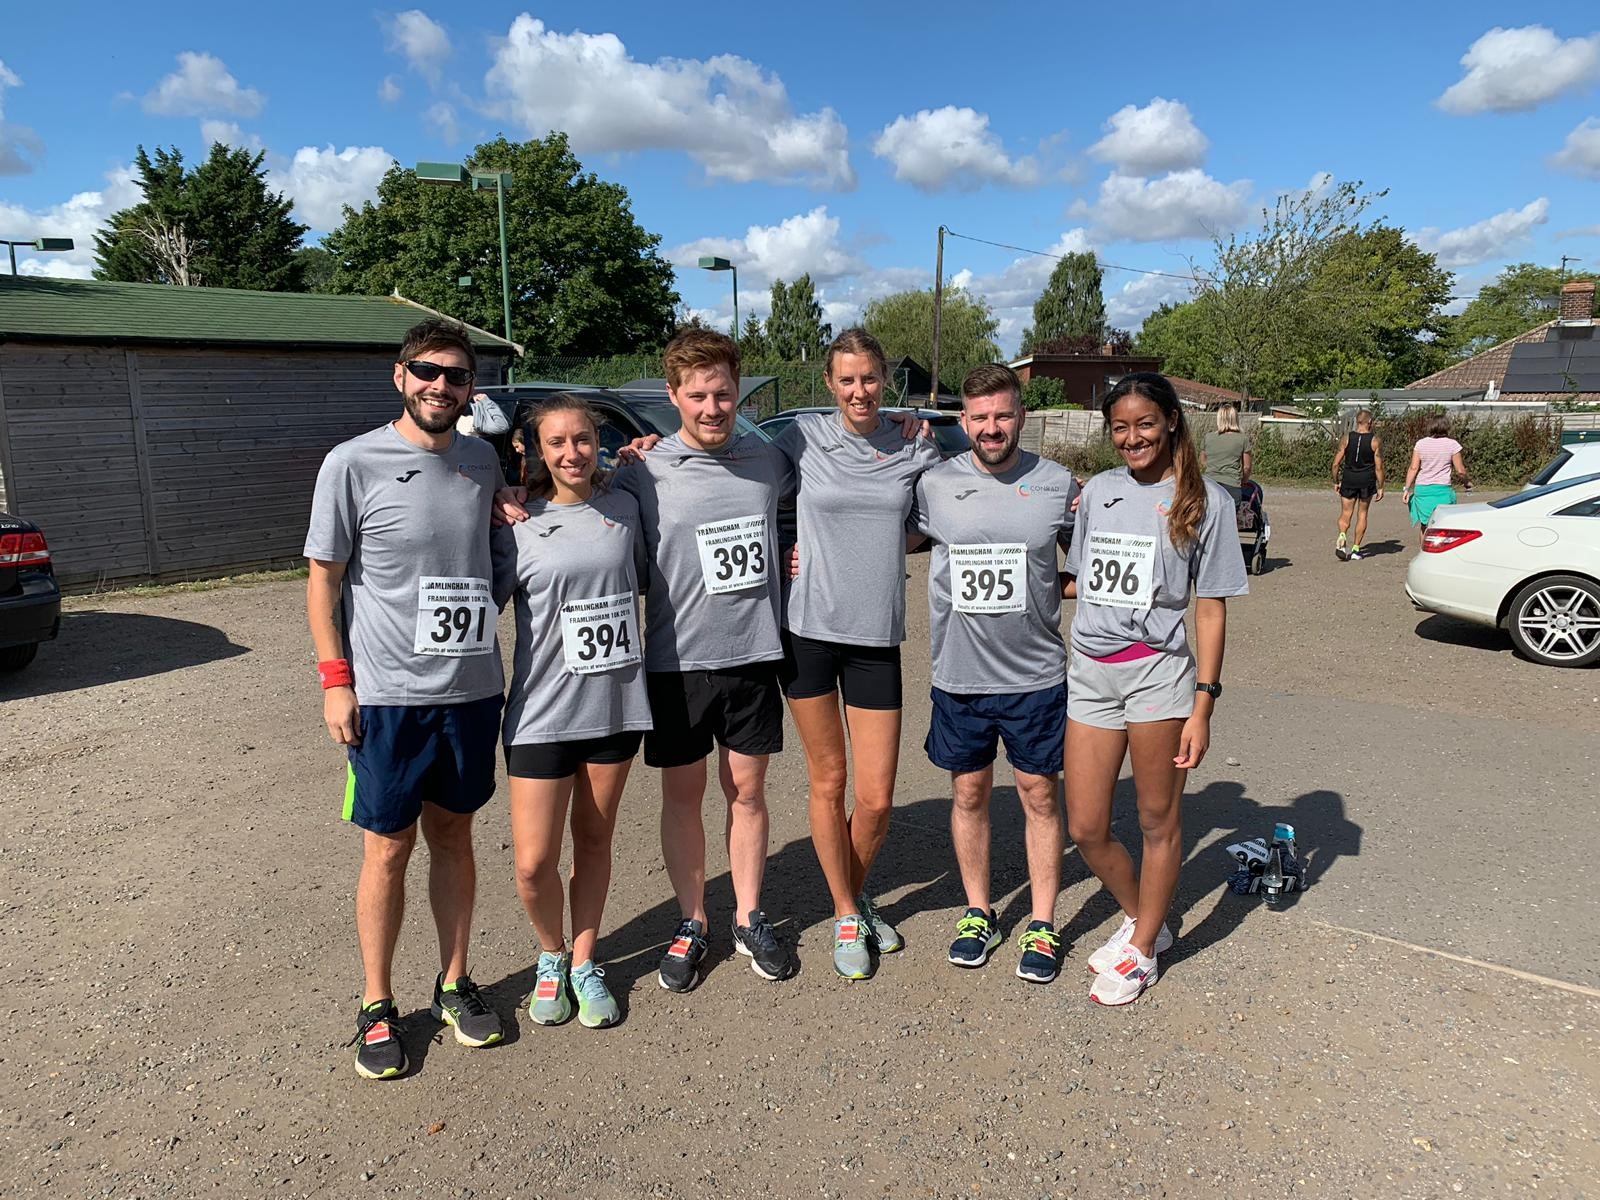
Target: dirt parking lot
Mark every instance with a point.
(180, 951)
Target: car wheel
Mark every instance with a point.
(14, 658)
(1556, 621)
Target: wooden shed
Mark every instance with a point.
(160, 433)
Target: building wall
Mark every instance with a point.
(178, 463)
(1083, 377)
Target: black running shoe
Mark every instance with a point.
(976, 937)
(1041, 953)
(379, 1054)
(769, 958)
(680, 966)
(460, 1005)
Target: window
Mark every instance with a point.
(1539, 493)
(1555, 464)
(1584, 508)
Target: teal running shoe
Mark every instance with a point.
(551, 1005)
(886, 936)
(851, 956)
(597, 1008)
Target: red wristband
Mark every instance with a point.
(335, 672)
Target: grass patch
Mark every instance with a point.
(143, 590)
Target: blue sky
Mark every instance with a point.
(837, 139)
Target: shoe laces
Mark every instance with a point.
(1031, 938)
(370, 1017)
(970, 926)
(861, 930)
(590, 984)
(469, 998)
(760, 934)
(549, 966)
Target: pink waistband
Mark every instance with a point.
(1128, 654)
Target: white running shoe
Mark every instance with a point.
(1125, 981)
(1106, 957)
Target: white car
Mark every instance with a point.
(1529, 563)
(1582, 458)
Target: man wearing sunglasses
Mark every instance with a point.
(399, 551)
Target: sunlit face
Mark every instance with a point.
(856, 382)
(1141, 433)
(706, 400)
(994, 423)
(569, 447)
(433, 407)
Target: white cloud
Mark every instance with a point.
(321, 182)
(421, 39)
(1488, 239)
(1513, 70)
(1129, 305)
(1582, 231)
(804, 243)
(1580, 155)
(229, 134)
(724, 112)
(441, 119)
(1012, 290)
(390, 91)
(1161, 136)
(200, 87)
(951, 148)
(1182, 204)
(20, 147)
(78, 218)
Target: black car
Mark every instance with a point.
(946, 425)
(624, 416)
(30, 599)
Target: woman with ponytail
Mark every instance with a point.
(1149, 535)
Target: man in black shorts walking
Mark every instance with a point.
(402, 613)
(1357, 481)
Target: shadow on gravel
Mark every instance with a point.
(1387, 546)
(97, 647)
(1452, 632)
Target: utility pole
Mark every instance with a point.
(1565, 259)
(938, 312)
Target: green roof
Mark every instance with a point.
(43, 309)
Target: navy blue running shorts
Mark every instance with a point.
(439, 753)
(966, 728)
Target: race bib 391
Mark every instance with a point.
(455, 616)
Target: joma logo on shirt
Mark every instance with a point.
(407, 477)
(965, 494)
(546, 533)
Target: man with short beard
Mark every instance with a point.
(399, 549)
(996, 517)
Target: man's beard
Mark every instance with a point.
(994, 458)
(426, 419)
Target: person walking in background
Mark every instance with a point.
(1433, 459)
(1357, 481)
(1225, 458)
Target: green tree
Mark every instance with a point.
(1071, 304)
(1523, 295)
(903, 322)
(586, 279)
(1181, 336)
(1043, 392)
(316, 267)
(218, 225)
(795, 328)
(753, 339)
(1259, 288)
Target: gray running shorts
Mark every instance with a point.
(1159, 687)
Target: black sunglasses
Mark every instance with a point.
(428, 372)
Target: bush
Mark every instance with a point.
(1502, 452)
(1040, 392)
(1084, 461)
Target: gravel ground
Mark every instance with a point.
(176, 894)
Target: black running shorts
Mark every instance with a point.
(739, 708)
(1358, 486)
(866, 676)
(557, 760)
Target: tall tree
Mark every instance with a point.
(1523, 295)
(1071, 304)
(753, 339)
(903, 322)
(1181, 336)
(1258, 288)
(218, 225)
(586, 279)
(795, 328)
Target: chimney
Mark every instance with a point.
(1577, 301)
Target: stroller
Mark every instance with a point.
(1254, 528)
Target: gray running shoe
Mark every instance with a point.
(461, 1006)
(851, 957)
(551, 1004)
(597, 1008)
(884, 934)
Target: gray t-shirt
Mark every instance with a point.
(994, 597)
(854, 497)
(412, 528)
(710, 525)
(1133, 583)
(578, 670)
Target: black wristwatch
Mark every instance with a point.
(1214, 690)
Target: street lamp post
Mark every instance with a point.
(455, 175)
(709, 262)
(40, 244)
